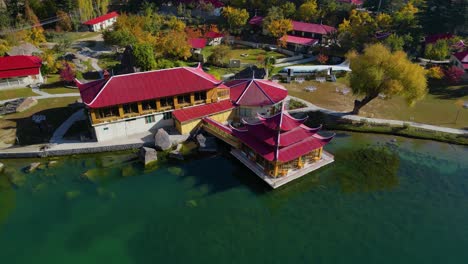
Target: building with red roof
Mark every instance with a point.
(352, 2)
(214, 38)
(128, 104)
(20, 71)
(102, 22)
(197, 43)
(460, 59)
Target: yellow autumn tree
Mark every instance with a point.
(377, 70)
(280, 27)
(308, 11)
(35, 35)
(236, 18)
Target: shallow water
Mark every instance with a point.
(213, 210)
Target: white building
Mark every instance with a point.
(102, 22)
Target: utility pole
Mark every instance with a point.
(380, 4)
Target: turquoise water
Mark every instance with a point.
(213, 210)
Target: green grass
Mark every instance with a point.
(55, 86)
(16, 93)
(107, 61)
(437, 108)
(218, 72)
(75, 36)
(252, 54)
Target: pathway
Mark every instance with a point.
(43, 95)
(345, 115)
(57, 137)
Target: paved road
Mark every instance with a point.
(345, 115)
(301, 61)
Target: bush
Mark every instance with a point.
(294, 104)
(453, 74)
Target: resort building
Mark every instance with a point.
(102, 22)
(20, 71)
(129, 104)
(247, 114)
(460, 59)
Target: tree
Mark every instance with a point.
(86, 9)
(35, 35)
(68, 72)
(174, 44)
(279, 28)
(358, 30)
(322, 58)
(308, 11)
(175, 24)
(65, 22)
(121, 37)
(274, 14)
(219, 55)
(236, 18)
(102, 6)
(4, 47)
(144, 57)
(49, 64)
(394, 42)
(435, 72)
(437, 51)
(289, 9)
(453, 74)
(378, 70)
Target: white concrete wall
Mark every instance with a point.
(20, 82)
(128, 127)
(103, 25)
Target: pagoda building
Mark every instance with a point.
(278, 148)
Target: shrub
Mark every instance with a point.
(453, 74)
(435, 72)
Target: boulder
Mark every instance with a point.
(17, 179)
(52, 163)
(26, 104)
(33, 166)
(2, 167)
(201, 140)
(175, 154)
(162, 140)
(148, 155)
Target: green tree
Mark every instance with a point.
(236, 18)
(289, 9)
(378, 70)
(120, 37)
(394, 42)
(308, 11)
(274, 13)
(4, 47)
(144, 57)
(219, 55)
(86, 9)
(437, 51)
(102, 6)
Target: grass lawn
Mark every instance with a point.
(107, 61)
(21, 125)
(218, 72)
(75, 36)
(252, 54)
(437, 108)
(16, 93)
(55, 86)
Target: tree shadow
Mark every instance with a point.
(443, 91)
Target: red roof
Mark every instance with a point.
(200, 111)
(212, 35)
(256, 20)
(197, 43)
(462, 56)
(256, 92)
(282, 120)
(312, 28)
(434, 38)
(299, 40)
(100, 19)
(17, 66)
(354, 2)
(134, 87)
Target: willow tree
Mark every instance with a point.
(379, 71)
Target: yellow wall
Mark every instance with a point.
(187, 127)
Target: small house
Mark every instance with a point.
(102, 22)
(20, 71)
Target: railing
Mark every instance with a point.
(221, 134)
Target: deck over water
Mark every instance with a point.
(327, 158)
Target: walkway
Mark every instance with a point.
(302, 61)
(311, 107)
(43, 95)
(57, 137)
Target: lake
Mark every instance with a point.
(379, 202)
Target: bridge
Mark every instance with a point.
(220, 131)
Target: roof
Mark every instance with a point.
(282, 120)
(212, 35)
(200, 111)
(299, 40)
(434, 38)
(256, 92)
(197, 43)
(21, 65)
(134, 87)
(312, 28)
(24, 49)
(354, 2)
(256, 20)
(102, 18)
(462, 56)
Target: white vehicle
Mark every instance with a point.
(311, 69)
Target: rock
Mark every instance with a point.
(2, 167)
(52, 163)
(95, 175)
(176, 171)
(162, 140)
(201, 140)
(128, 171)
(72, 194)
(148, 155)
(26, 104)
(17, 179)
(33, 166)
(176, 153)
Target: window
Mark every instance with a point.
(166, 101)
(130, 108)
(183, 99)
(199, 96)
(148, 105)
(106, 128)
(167, 115)
(149, 119)
(107, 112)
(223, 92)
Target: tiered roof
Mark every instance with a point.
(463, 58)
(256, 92)
(280, 137)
